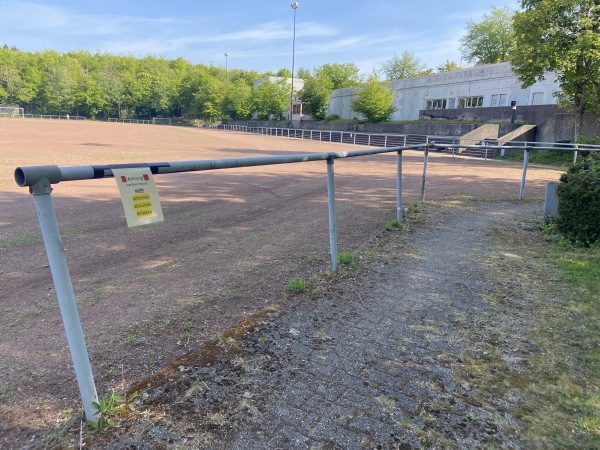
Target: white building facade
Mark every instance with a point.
(490, 85)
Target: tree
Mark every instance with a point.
(270, 99)
(406, 65)
(561, 36)
(315, 95)
(491, 40)
(237, 103)
(284, 73)
(324, 80)
(375, 100)
(447, 66)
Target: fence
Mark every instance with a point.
(454, 144)
(40, 179)
(139, 121)
(53, 116)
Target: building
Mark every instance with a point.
(490, 85)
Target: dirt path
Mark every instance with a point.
(231, 241)
(380, 357)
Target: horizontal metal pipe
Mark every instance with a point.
(30, 175)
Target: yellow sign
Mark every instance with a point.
(139, 196)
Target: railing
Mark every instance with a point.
(40, 179)
(139, 121)
(454, 144)
(53, 116)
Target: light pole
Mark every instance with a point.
(226, 73)
(294, 7)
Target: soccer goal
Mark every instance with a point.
(161, 120)
(11, 111)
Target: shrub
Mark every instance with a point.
(579, 201)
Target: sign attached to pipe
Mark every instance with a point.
(139, 196)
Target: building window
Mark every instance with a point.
(470, 102)
(439, 103)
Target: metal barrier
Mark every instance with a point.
(53, 116)
(142, 121)
(40, 179)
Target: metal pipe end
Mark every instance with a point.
(30, 175)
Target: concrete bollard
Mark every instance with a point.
(551, 203)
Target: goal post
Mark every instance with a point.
(11, 111)
(161, 120)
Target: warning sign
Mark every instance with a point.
(139, 196)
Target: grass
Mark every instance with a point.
(559, 389)
(347, 259)
(296, 285)
(561, 158)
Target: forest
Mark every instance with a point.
(102, 85)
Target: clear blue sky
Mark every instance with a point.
(257, 35)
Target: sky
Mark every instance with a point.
(255, 35)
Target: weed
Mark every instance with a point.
(184, 337)
(110, 408)
(388, 404)
(5, 391)
(133, 341)
(187, 326)
(420, 219)
(296, 285)
(347, 259)
(393, 225)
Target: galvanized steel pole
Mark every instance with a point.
(399, 188)
(525, 164)
(66, 297)
(332, 221)
(425, 158)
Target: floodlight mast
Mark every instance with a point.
(294, 7)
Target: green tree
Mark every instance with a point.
(315, 95)
(237, 103)
(270, 100)
(561, 36)
(374, 100)
(324, 80)
(491, 40)
(341, 75)
(406, 65)
(284, 73)
(447, 66)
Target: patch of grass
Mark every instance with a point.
(296, 285)
(133, 341)
(559, 390)
(393, 225)
(347, 259)
(561, 158)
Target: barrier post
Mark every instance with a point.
(525, 164)
(65, 295)
(399, 188)
(332, 221)
(425, 158)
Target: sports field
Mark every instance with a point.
(230, 242)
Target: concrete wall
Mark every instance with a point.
(533, 115)
(496, 83)
(556, 128)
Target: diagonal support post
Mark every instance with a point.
(66, 297)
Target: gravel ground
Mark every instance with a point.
(374, 358)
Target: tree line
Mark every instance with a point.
(560, 36)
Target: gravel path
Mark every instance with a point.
(367, 361)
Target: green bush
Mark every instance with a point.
(579, 201)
